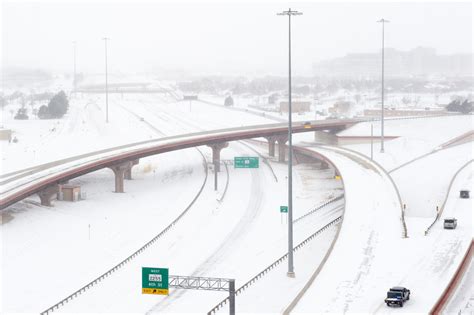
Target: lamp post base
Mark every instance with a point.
(290, 274)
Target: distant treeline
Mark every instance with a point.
(460, 106)
(57, 106)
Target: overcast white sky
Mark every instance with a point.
(244, 37)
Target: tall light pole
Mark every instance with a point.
(291, 272)
(106, 84)
(74, 78)
(383, 21)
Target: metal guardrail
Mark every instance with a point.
(273, 265)
(132, 256)
(438, 214)
(319, 207)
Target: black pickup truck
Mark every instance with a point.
(397, 295)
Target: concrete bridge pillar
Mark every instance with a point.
(47, 194)
(128, 171)
(216, 153)
(281, 147)
(271, 145)
(335, 130)
(119, 172)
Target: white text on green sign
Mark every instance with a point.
(246, 162)
(155, 281)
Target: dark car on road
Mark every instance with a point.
(464, 194)
(397, 295)
(450, 223)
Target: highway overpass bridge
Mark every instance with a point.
(45, 179)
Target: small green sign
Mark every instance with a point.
(245, 162)
(154, 281)
(284, 209)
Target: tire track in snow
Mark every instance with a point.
(252, 211)
(140, 250)
(364, 263)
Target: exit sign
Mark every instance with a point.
(155, 281)
(245, 162)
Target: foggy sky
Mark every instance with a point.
(223, 37)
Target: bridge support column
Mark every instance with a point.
(216, 153)
(324, 165)
(128, 171)
(119, 172)
(335, 130)
(281, 147)
(271, 145)
(47, 194)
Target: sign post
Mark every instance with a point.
(215, 174)
(155, 281)
(246, 162)
(283, 209)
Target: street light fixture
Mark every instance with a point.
(291, 272)
(106, 84)
(383, 21)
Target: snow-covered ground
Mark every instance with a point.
(72, 243)
(424, 264)
(212, 241)
(242, 234)
(380, 258)
(430, 178)
(154, 198)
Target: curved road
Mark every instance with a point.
(378, 257)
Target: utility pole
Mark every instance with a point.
(106, 84)
(371, 141)
(215, 174)
(383, 21)
(75, 76)
(291, 272)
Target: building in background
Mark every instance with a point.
(420, 61)
(296, 106)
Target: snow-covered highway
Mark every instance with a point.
(380, 258)
(241, 234)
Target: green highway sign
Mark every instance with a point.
(155, 281)
(284, 209)
(245, 162)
